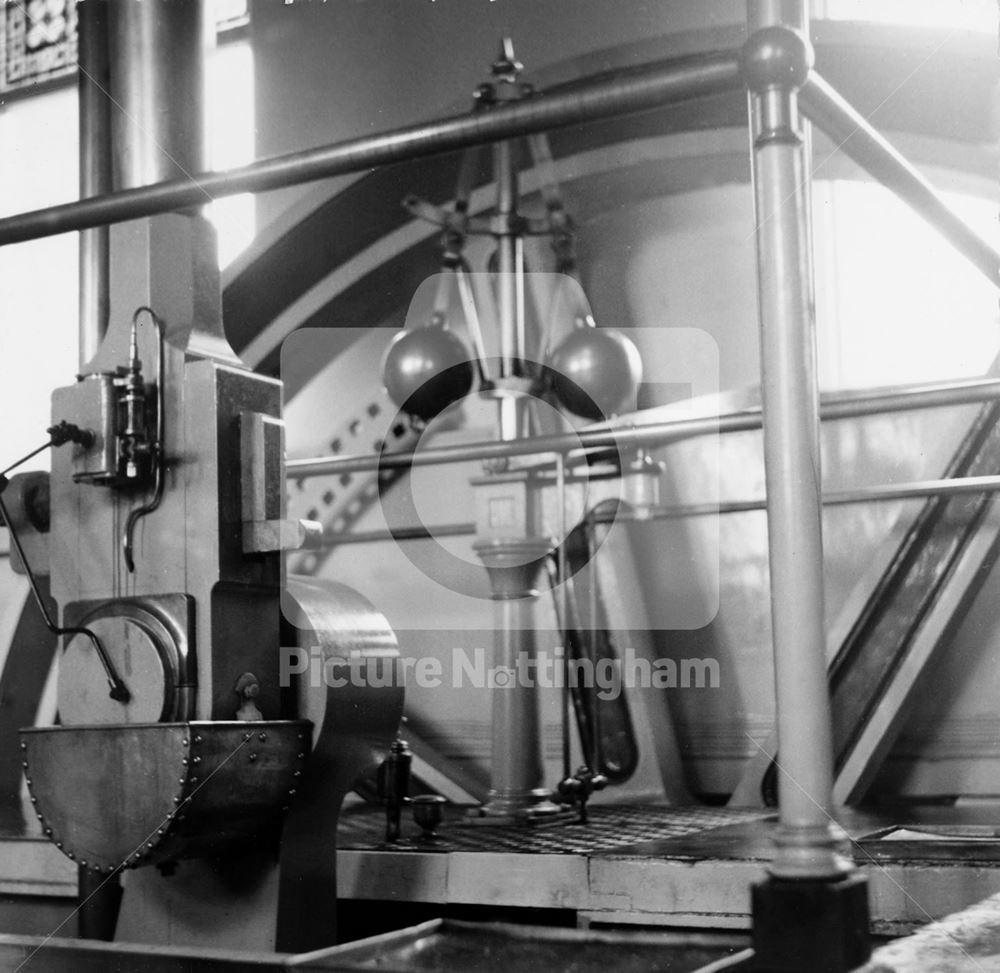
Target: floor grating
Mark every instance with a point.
(362, 828)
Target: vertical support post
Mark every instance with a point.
(516, 773)
(812, 912)
(95, 170)
(157, 52)
(807, 844)
(513, 549)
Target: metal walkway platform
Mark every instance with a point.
(640, 865)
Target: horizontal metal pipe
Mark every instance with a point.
(957, 486)
(656, 85)
(421, 533)
(852, 133)
(842, 405)
(916, 489)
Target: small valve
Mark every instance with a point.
(579, 788)
(133, 441)
(394, 785)
(68, 432)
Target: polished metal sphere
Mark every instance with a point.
(426, 369)
(595, 372)
(776, 56)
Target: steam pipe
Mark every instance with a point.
(654, 86)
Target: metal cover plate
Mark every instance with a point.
(129, 795)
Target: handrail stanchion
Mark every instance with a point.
(812, 911)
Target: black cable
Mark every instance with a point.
(119, 691)
(24, 459)
(62, 432)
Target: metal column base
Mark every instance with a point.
(520, 807)
(810, 925)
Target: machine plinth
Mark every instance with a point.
(809, 924)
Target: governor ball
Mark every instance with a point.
(425, 370)
(596, 373)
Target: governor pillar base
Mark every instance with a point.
(811, 925)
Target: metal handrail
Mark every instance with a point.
(654, 85)
(955, 486)
(843, 405)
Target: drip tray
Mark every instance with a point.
(444, 946)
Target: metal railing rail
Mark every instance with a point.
(836, 406)
(651, 86)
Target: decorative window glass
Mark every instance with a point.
(38, 39)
